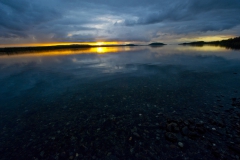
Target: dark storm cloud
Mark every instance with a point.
(88, 20)
(19, 17)
(216, 14)
(22, 15)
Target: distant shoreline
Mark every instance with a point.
(232, 43)
(10, 50)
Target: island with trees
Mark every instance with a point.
(232, 43)
(156, 44)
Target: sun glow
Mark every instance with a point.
(204, 38)
(63, 52)
(98, 43)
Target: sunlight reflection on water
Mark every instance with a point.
(47, 96)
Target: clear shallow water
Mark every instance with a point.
(117, 103)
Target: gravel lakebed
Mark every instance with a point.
(123, 124)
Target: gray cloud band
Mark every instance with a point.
(60, 20)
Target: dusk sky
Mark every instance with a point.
(41, 21)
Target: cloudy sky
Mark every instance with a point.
(40, 21)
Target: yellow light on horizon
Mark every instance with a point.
(204, 38)
(63, 52)
(100, 43)
(62, 43)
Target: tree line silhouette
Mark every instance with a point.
(232, 43)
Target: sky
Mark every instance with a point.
(135, 21)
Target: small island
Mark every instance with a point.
(232, 43)
(131, 45)
(156, 44)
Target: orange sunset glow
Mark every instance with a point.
(63, 52)
(98, 43)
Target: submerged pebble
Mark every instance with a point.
(180, 144)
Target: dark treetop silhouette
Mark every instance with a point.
(232, 43)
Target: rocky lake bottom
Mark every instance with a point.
(147, 103)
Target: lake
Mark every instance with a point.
(140, 102)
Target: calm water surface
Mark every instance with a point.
(118, 103)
